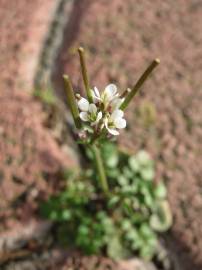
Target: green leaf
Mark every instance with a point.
(101, 215)
(147, 252)
(126, 225)
(127, 189)
(143, 158)
(146, 231)
(110, 154)
(113, 201)
(137, 217)
(83, 230)
(66, 215)
(133, 163)
(160, 191)
(149, 200)
(114, 248)
(161, 220)
(122, 180)
(147, 174)
(127, 172)
(112, 161)
(54, 215)
(113, 173)
(132, 235)
(134, 188)
(89, 153)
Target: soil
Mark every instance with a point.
(23, 32)
(30, 155)
(121, 38)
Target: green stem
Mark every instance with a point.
(139, 83)
(85, 74)
(72, 101)
(100, 168)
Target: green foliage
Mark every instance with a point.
(125, 222)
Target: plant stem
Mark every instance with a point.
(139, 83)
(101, 169)
(85, 74)
(72, 101)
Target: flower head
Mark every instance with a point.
(108, 99)
(115, 121)
(104, 112)
(89, 112)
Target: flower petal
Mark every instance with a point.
(83, 104)
(84, 116)
(116, 103)
(99, 116)
(92, 108)
(117, 114)
(110, 130)
(106, 122)
(113, 131)
(120, 122)
(93, 96)
(97, 93)
(110, 90)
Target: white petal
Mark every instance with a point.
(97, 93)
(110, 90)
(110, 130)
(83, 104)
(102, 126)
(106, 122)
(117, 114)
(113, 131)
(99, 116)
(84, 116)
(120, 122)
(92, 108)
(116, 103)
(93, 96)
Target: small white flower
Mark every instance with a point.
(83, 104)
(115, 104)
(96, 95)
(104, 112)
(115, 121)
(110, 92)
(109, 97)
(89, 112)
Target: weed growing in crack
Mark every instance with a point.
(114, 207)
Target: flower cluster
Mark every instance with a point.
(103, 112)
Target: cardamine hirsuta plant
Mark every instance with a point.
(112, 206)
(100, 115)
